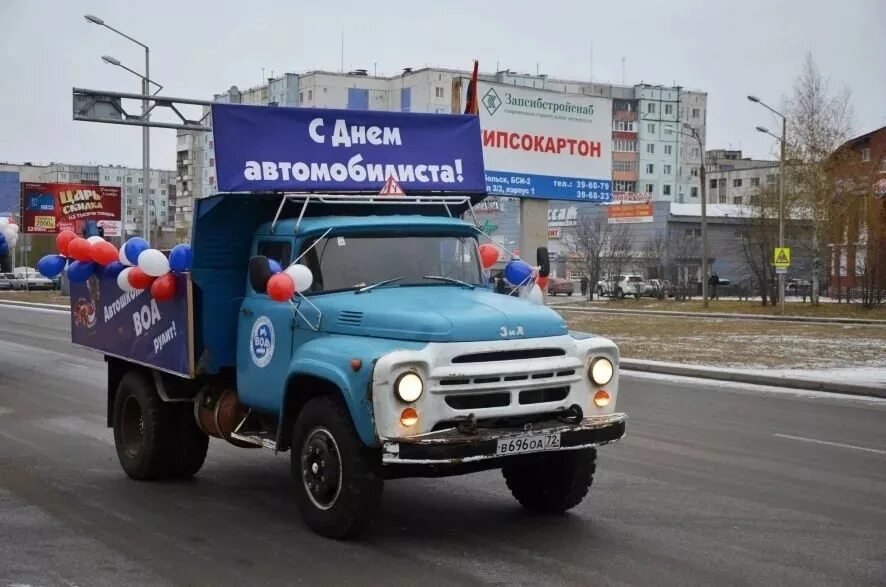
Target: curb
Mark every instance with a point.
(802, 319)
(35, 305)
(750, 378)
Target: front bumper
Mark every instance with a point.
(452, 447)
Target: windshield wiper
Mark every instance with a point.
(450, 280)
(378, 283)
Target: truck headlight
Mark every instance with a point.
(408, 387)
(601, 371)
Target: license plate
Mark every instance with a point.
(528, 443)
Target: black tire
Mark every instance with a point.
(193, 443)
(551, 483)
(144, 429)
(168, 443)
(569, 293)
(344, 475)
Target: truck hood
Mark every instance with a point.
(436, 313)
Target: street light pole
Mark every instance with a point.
(781, 170)
(146, 136)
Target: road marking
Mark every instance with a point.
(45, 309)
(827, 443)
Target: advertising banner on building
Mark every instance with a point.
(49, 208)
(541, 144)
(260, 148)
(630, 212)
(133, 325)
(10, 193)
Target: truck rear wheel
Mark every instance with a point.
(154, 439)
(338, 481)
(551, 483)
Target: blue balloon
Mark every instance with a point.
(112, 270)
(2, 238)
(4, 248)
(180, 258)
(517, 272)
(275, 266)
(51, 265)
(78, 271)
(135, 247)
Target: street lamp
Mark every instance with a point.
(146, 135)
(781, 162)
(693, 133)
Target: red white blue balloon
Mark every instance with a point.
(517, 272)
(51, 266)
(80, 271)
(153, 262)
(180, 258)
(133, 248)
(301, 275)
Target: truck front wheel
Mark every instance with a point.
(338, 481)
(551, 483)
(154, 439)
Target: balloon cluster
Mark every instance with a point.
(135, 266)
(8, 235)
(283, 283)
(520, 274)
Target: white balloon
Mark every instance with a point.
(13, 228)
(12, 241)
(532, 293)
(123, 258)
(94, 239)
(123, 280)
(153, 262)
(301, 275)
(4, 221)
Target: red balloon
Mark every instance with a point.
(63, 239)
(542, 282)
(163, 288)
(138, 279)
(104, 253)
(80, 249)
(281, 287)
(488, 255)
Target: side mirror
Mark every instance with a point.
(543, 260)
(259, 273)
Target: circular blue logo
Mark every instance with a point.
(261, 345)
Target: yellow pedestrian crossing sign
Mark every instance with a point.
(782, 257)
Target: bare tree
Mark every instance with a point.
(818, 122)
(670, 252)
(759, 238)
(587, 242)
(620, 253)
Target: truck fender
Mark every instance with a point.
(309, 377)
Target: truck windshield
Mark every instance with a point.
(340, 263)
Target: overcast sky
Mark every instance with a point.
(728, 49)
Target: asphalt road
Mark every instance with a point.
(713, 485)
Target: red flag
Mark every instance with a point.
(472, 104)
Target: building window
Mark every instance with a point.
(755, 182)
(722, 198)
(722, 183)
(151, 191)
(755, 200)
(650, 148)
(624, 145)
(736, 200)
(865, 154)
(650, 128)
(650, 168)
(695, 152)
(736, 183)
(301, 97)
(693, 192)
(713, 184)
(438, 92)
(625, 126)
(649, 188)
(666, 189)
(107, 178)
(650, 108)
(696, 113)
(883, 165)
(669, 108)
(666, 170)
(770, 179)
(624, 186)
(668, 149)
(310, 95)
(141, 191)
(694, 172)
(693, 232)
(140, 178)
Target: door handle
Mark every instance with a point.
(246, 312)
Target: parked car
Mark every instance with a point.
(560, 286)
(655, 287)
(8, 281)
(798, 287)
(28, 278)
(621, 286)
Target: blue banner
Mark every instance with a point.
(260, 148)
(529, 185)
(134, 325)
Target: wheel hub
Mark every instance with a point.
(132, 428)
(321, 468)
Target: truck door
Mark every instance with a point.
(264, 338)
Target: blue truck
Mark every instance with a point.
(399, 360)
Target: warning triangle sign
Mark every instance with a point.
(392, 188)
(781, 257)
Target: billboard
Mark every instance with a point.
(550, 145)
(630, 208)
(49, 208)
(260, 148)
(9, 193)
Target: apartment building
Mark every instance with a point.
(734, 179)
